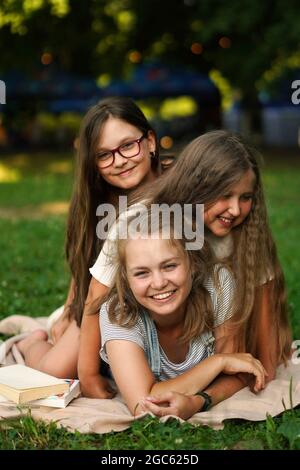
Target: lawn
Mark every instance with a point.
(34, 192)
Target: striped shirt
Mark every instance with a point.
(199, 348)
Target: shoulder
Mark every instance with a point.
(112, 330)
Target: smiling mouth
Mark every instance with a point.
(163, 295)
(125, 172)
(226, 221)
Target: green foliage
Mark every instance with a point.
(258, 35)
(290, 429)
(16, 14)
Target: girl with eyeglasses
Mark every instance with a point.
(117, 152)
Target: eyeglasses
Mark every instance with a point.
(127, 150)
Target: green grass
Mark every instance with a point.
(34, 281)
(282, 190)
(150, 434)
(34, 277)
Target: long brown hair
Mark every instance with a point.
(125, 310)
(90, 190)
(206, 169)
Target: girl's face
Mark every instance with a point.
(159, 276)
(232, 208)
(125, 173)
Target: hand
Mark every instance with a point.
(243, 362)
(96, 386)
(170, 403)
(59, 327)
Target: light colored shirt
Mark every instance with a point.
(105, 267)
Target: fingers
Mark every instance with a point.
(147, 405)
(247, 363)
(256, 368)
(165, 398)
(260, 373)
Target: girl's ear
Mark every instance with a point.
(151, 142)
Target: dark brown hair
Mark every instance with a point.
(90, 190)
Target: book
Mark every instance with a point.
(62, 400)
(22, 384)
(56, 401)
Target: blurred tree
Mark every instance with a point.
(108, 37)
(243, 40)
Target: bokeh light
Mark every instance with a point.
(197, 48)
(166, 142)
(225, 42)
(135, 57)
(46, 58)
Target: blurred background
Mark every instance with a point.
(192, 65)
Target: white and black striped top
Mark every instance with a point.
(200, 348)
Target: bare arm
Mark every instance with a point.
(136, 381)
(222, 387)
(92, 384)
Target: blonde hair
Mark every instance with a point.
(206, 169)
(125, 310)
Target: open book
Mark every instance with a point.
(22, 384)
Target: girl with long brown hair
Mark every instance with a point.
(117, 152)
(221, 171)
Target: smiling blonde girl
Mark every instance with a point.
(161, 321)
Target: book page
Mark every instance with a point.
(22, 377)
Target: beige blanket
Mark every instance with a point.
(102, 416)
